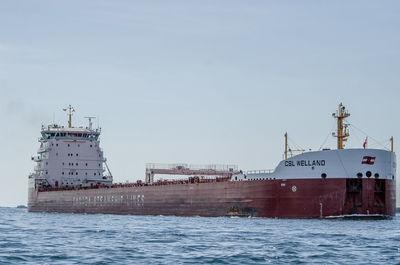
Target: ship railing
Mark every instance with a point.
(179, 166)
(262, 171)
(104, 185)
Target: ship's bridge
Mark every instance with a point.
(55, 131)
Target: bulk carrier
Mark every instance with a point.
(72, 176)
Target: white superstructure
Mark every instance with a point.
(69, 157)
(339, 163)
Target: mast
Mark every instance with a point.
(286, 146)
(391, 144)
(70, 110)
(342, 131)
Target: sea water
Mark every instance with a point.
(53, 238)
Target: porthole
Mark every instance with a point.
(368, 174)
(76, 164)
(68, 145)
(76, 154)
(359, 175)
(376, 175)
(86, 164)
(63, 173)
(323, 175)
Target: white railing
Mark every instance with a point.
(215, 167)
(262, 171)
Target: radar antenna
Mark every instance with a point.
(90, 121)
(342, 130)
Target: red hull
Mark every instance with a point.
(292, 198)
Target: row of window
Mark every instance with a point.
(80, 135)
(71, 164)
(73, 154)
(76, 173)
(70, 145)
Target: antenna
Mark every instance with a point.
(70, 110)
(90, 121)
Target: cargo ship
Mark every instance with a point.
(72, 176)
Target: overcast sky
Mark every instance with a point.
(198, 82)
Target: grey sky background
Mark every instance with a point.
(199, 82)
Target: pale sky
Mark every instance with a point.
(202, 82)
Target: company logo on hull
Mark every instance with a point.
(369, 160)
